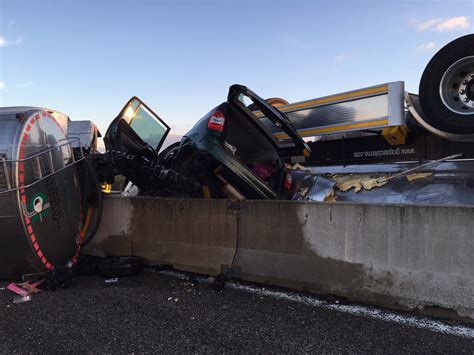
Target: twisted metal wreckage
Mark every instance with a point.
(246, 148)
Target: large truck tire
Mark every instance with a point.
(447, 87)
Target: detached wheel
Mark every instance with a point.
(447, 87)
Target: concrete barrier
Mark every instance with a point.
(192, 235)
(393, 255)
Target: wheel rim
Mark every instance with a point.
(457, 87)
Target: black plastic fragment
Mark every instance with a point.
(120, 266)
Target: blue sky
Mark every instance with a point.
(87, 58)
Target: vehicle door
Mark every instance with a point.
(262, 157)
(134, 139)
(137, 130)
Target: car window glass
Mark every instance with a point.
(147, 126)
(244, 99)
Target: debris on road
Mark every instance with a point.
(60, 277)
(236, 320)
(111, 281)
(21, 299)
(120, 266)
(17, 290)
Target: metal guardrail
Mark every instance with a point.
(42, 173)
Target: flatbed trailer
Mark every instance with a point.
(375, 133)
(383, 123)
(379, 132)
(359, 128)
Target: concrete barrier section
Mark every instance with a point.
(413, 256)
(192, 235)
(393, 255)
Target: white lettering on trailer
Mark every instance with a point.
(384, 152)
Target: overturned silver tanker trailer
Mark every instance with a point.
(50, 202)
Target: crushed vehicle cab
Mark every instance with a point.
(229, 153)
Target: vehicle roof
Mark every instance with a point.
(12, 110)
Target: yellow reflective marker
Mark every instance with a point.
(395, 135)
(206, 192)
(107, 188)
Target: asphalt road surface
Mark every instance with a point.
(156, 312)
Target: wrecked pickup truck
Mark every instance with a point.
(229, 153)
